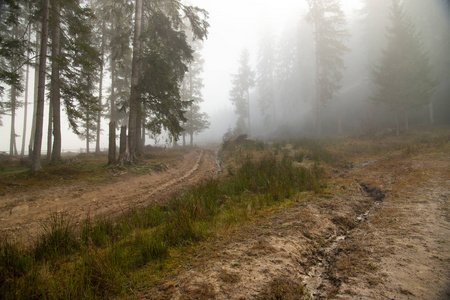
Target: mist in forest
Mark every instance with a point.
(285, 93)
(288, 68)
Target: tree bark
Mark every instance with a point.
(124, 153)
(88, 130)
(143, 134)
(12, 140)
(36, 84)
(112, 143)
(36, 163)
(25, 113)
(134, 95)
(100, 91)
(191, 139)
(112, 96)
(49, 131)
(55, 97)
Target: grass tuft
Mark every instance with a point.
(59, 238)
(101, 259)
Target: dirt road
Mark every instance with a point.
(382, 231)
(23, 213)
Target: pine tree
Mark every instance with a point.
(14, 49)
(432, 19)
(404, 75)
(374, 15)
(118, 15)
(36, 155)
(76, 59)
(163, 53)
(242, 82)
(265, 77)
(191, 90)
(13, 43)
(328, 20)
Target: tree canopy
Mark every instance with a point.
(403, 76)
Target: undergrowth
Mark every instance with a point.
(101, 259)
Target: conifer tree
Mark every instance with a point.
(329, 22)
(191, 90)
(76, 59)
(163, 53)
(404, 75)
(265, 77)
(36, 155)
(14, 50)
(242, 82)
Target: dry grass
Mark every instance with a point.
(229, 276)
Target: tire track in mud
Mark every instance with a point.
(319, 279)
(276, 253)
(22, 214)
(334, 247)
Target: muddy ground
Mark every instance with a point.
(23, 213)
(380, 231)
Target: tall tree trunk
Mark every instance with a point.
(143, 133)
(139, 117)
(36, 163)
(88, 130)
(191, 139)
(100, 91)
(49, 131)
(55, 97)
(25, 112)
(184, 139)
(318, 106)
(112, 143)
(112, 96)
(12, 140)
(124, 152)
(36, 84)
(112, 123)
(13, 94)
(317, 85)
(134, 95)
(140, 106)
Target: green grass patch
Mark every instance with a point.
(103, 258)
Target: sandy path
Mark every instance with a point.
(349, 245)
(22, 214)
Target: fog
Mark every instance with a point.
(254, 24)
(350, 109)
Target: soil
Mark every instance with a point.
(381, 230)
(23, 213)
